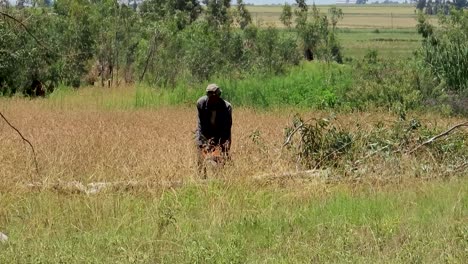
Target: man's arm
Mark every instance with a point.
(227, 131)
(200, 139)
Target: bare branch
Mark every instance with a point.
(25, 28)
(305, 174)
(333, 153)
(24, 139)
(150, 54)
(289, 138)
(434, 138)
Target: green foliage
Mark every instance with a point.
(322, 142)
(317, 39)
(217, 12)
(381, 83)
(445, 50)
(75, 33)
(184, 12)
(165, 44)
(242, 15)
(311, 85)
(286, 15)
(25, 61)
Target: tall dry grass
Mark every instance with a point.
(92, 145)
(89, 143)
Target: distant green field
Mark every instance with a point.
(358, 16)
(347, 9)
(389, 29)
(396, 43)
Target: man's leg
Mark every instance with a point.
(201, 169)
(225, 147)
(200, 142)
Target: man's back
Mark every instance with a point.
(214, 120)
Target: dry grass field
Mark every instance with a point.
(90, 142)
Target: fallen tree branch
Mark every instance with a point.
(306, 174)
(333, 153)
(98, 187)
(24, 139)
(289, 138)
(434, 138)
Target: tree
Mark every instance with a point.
(286, 15)
(445, 49)
(460, 4)
(421, 4)
(217, 12)
(20, 3)
(302, 5)
(183, 11)
(361, 2)
(301, 13)
(429, 8)
(4, 3)
(336, 14)
(76, 34)
(243, 16)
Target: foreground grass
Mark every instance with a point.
(241, 223)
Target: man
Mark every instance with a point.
(214, 122)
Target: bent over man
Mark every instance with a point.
(214, 122)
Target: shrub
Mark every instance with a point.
(445, 49)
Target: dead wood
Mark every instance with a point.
(24, 139)
(289, 138)
(306, 174)
(434, 138)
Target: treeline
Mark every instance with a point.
(434, 7)
(160, 42)
(182, 43)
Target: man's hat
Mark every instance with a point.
(213, 88)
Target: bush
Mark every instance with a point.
(445, 49)
(388, 84)
(323, 143)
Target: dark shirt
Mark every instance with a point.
(220, 129)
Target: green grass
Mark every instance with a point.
(396, 25)
(240, 223)
(390, 43)
(347, 9)
(309, 85)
